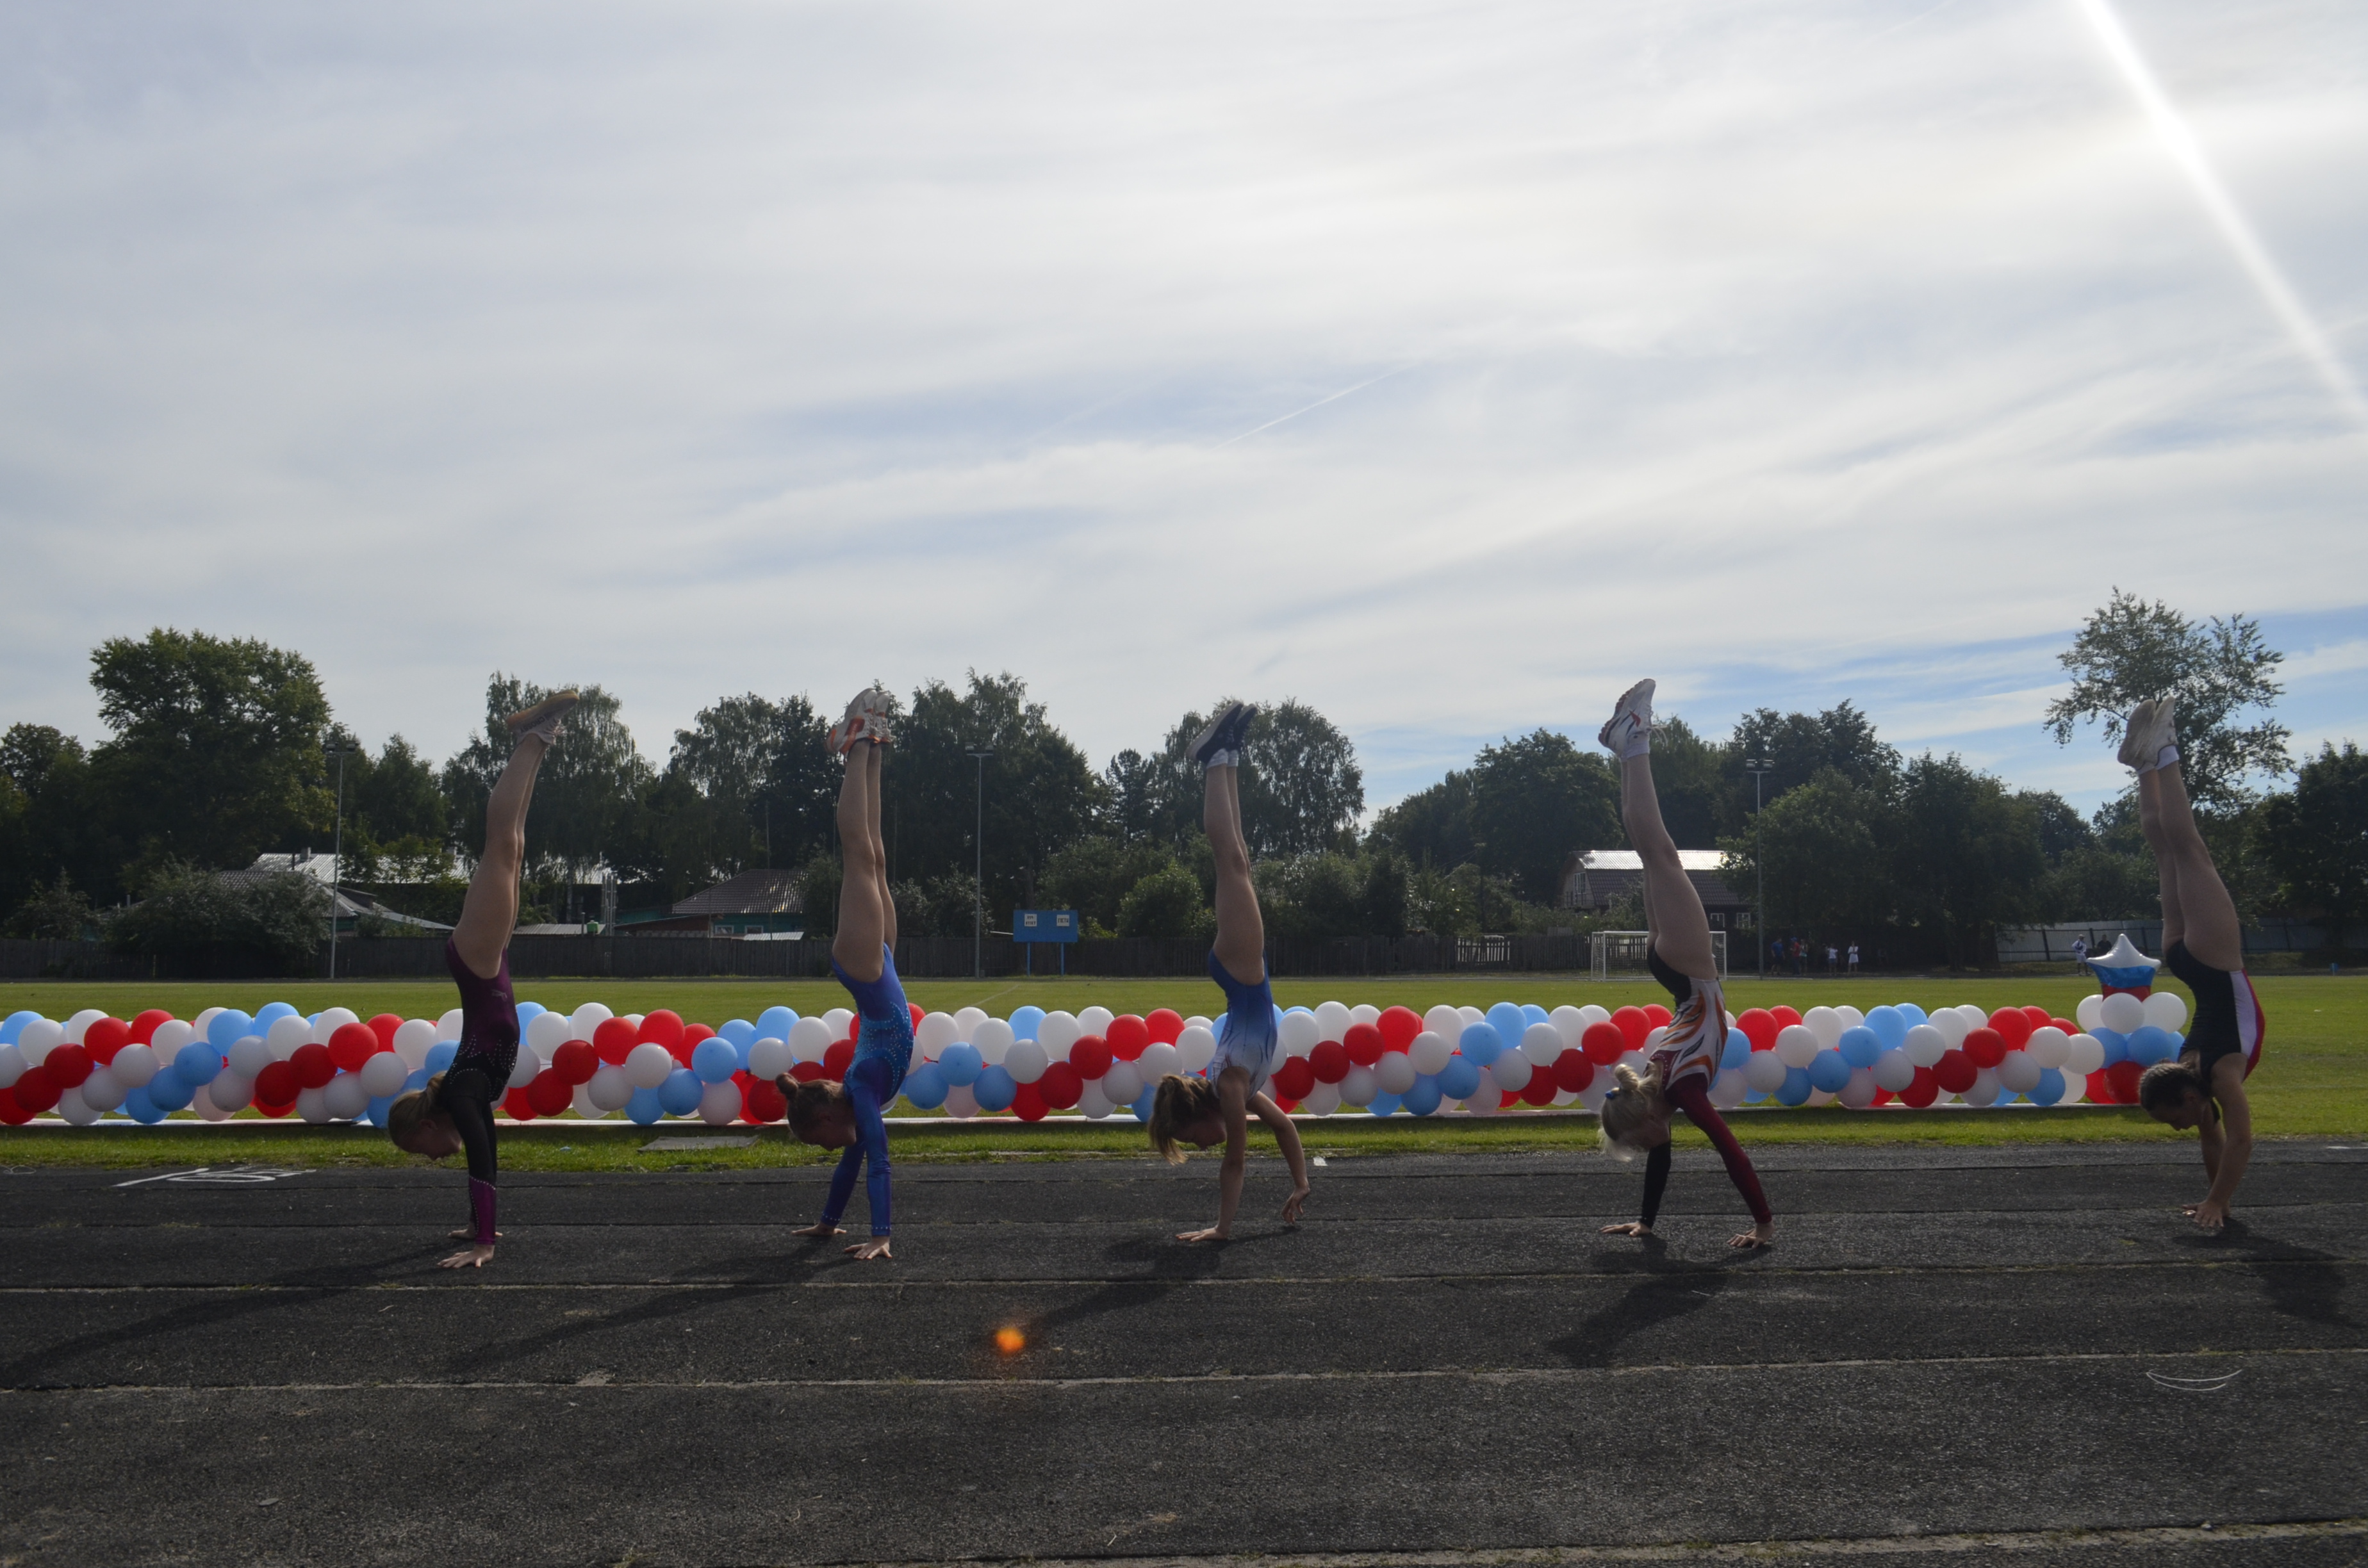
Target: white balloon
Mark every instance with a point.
(1364, 1013)
(1197, 1021)
(1592, 1015)
(1470, 1016)
(101, 1092)
(1092, 1103)
(2076, 1088)
(1059, 1031)
(1653, 1038)
(313, 1106)
(1332, 1020)
(78, 1027)
(1322, 1100)
(347, 1097)
(1984, 1090)
(649, 1064)
(1445, 1021)
(250, 1054)
(1818, 1097)
(586, 1021)
(448, 1026)
(1511, 1070)
(836, 1021)
(1025, 1060)
(1927, 1043)
(546, 1033)
(1726, 1090)
(1796, 1045)
(1859, 1093)
(1096, 1020)
(1429, 1052)
(1301, 1033)
(2090, 1012)
(1542, 1043)
(809, 1037)
(1764, 1072)
(2165, 1010)
(38, 1039)
(231, 1092)
(584, 1105)
(720, 1104)
(611, 1089)
(969, 1018)
(1599, 1085)
(1569, 1023)
(2084, 1053)
(932, 1034)
(1851, 1018)
(72, 1109)
(331, 1020)
(1974, 1018)
(2020, 1070)
(1893, 1070)
(1950, 1026)
(768, 1058)
(414, 1038)
(993, 1040)
(524, 1069)
(1358, 1086)
(1394, 1073)
(961, 1103)
(204, 1109)
(1157, 1061)
(285, 1036)
(2047, 1046)
(170, 1035)
(12, 1065)
(2122, 1013)
(1824, 1025)
(205, 1019)
(384, 1073)
(1196, 1046)
(1634, 1061)
(135, 1065)
(1123, 1085)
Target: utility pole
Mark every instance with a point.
(338, 860)
(1759, 768)
(978, 874)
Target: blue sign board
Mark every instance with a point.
(1044, 924)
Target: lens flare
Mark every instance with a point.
(1011, 1341)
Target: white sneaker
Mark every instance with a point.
(861, 723)
(542, 720)
(2151, 727)
(1631, 722)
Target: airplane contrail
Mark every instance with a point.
(1310, 408)
(2188, 154)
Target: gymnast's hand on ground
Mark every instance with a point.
(864, 1252)
(1212, 1235)
(1758, 1237)
(1629, 1228)
(2211, 1213)
(1294, 1204)
(474, 1257)
(819, 1228)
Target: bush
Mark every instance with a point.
(60, 912)
(1167, 903)
(275, 919)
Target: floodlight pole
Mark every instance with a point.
(1758, 767)
(336, 860)
(978, 874)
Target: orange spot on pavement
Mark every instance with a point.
(1011, 1341)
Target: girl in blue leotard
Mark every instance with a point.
(848, 1114)
(1217, 1109)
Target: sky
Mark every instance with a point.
(1446, 367)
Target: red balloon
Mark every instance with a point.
(809, 1072)
(274, 1107)
(1398, 1026)
(143, 1028)
(1634, 1024)
(1785, 1016)
(1882, 1097)
(11, 1113)
(2039, 1016)
(519, 1105)
(1364, 1044)
(1987, 1047)
(2066, 1025)
(1028, 1102)
(761, 1102)
(614, 1040)
(549, 1094)
(1540, 1089)
(574, 1063)
(313, 1065)
(1127, 1035)
(2100, 1088)
(1295, 1079)
(1330, 1061)
(105, 1038)
(384, 1026)
(665, 1026)
(693, 1033)
(352, 1045)
(1604, 1043)
(1955, 1071)
(2123, 1076)
(36, 1091)
(68, 1065)
(1923, 1091)
(1166, 1024)
(277, 1083)
(855, 1026)
(1286, 1104)
(1090, 1055)
(1062, 1086)
(1759, 1026)
(2013, 1027)
(839, 1059)
(1573, 1070)
(1506, 1099)
(914, 1008)
(1658, 1014)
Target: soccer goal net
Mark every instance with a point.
(1620, 954)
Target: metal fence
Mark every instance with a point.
(2053, 944)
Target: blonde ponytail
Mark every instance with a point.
(1633, 1106)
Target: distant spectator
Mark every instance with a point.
(1833, 960)
(1853, 958)
(2080, 954)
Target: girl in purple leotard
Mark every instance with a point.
(455, 1112)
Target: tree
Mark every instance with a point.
(60, 912)
(1430, 827)
(50, 830)
(1301, 789)
(217, 748)
(1796, 748)
(1966, 859)
(2062, 829)
(1167, 903)
(273, 919)
(586, 796)
(2132, 650)
(1132, 790)
(1693, 778)
(1094, 876)
(766, 765)
(1534, 800)
(1820, 847)
(2316, 838)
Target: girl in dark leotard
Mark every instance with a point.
(455, 1112)
(1678, 1078)
(2204, 945)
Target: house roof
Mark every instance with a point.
(750, 892)
(1598, 879)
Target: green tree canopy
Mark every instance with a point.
(1535, 800)
(2316, 839)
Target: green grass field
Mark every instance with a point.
(2313, 1081)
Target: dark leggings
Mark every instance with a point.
(468, 1098)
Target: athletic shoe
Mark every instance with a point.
(863, 723)
(2150, 728)
(1219, 743)
(542, 720)
(1630, 720)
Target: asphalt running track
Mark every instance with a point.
(2022, 1354)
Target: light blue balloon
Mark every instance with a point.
(713, 1059)
(926, 1087)
(196, 1063)
(1480, 1044)
(170, 1091)
(1890, 1028)
(1309, 1011)
(1829, 1070)
(1535, 1013)
(417, 1080)
(1424, 1097)
(1383, 1105)
(2150, 1044)
(375, 1112)
(229, 1026)
(959, 1063)
(269, 1014)
(645, 1107)
(775, 1023)
(440, 1056)
(1737, 1052)
(1509, 1022)
(1861, 1045)
(740, 1033)
(1278, 1015)
(2117, 1045)
(1795, 1088)
(15, 1024)
(1143, 1104)
(1913, 1014)
(1027, 1023)
(994, 1088)
(140, 1107)
(1460, 1079)
(2050, 1087)
(679, 1095)
(528, 1012)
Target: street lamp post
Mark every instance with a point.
(1758, 769)
(978, 874)
(338, 860)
